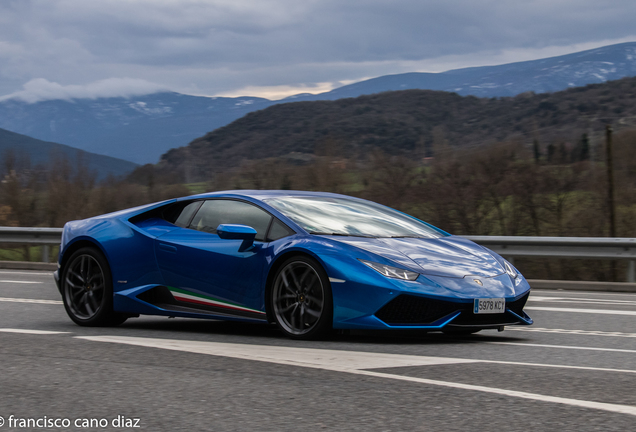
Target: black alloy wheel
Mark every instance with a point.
(301, 299)
(87, 289)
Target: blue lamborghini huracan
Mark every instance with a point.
(308, 261)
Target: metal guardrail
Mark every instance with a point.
(510, 247)
(33, 236)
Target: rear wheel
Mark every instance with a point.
(87, 289)
(301, 300)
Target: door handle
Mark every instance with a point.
(167, 248)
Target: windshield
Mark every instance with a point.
(350, 217)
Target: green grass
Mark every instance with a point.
(27, 253)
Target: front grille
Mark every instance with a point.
(410, 310)
(518, 305)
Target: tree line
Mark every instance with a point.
(506, 188)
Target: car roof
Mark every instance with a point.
(265, 194)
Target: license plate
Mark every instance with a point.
(490, 306)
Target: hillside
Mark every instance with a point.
(410, 122)
(42, 153)
(142, 128)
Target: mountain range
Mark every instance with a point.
(35, 152)
(142, 128)
(412, 123)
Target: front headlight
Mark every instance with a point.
(391, 272)
(510, 269)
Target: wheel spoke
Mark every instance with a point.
(313, 313)
(72, 285)
(288, 287)
(288, 308)
(82, 300)
(77, 275)
(77, 296)
(89, 309)
(83, 267)
(98, 287)
(93, 301)
(293, 317)
(93, 277)
(293, 274)
(313, 299)
(302, 278)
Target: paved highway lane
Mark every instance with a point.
(575, 369)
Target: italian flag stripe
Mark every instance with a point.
(190, 297)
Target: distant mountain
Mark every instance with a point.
(42, 153)
(140, 129)
(414, 123)
(137, 129)
(540, 76)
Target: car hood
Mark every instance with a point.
(446, 256)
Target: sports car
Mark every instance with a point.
(308, 261)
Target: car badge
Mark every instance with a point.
(478, 282)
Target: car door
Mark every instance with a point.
(203, 269)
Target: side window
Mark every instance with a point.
(180, 213)
(278, 230)
(187, 213)
(215, 212)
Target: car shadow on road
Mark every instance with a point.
(169, 328)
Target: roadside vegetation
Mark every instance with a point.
(505, 188)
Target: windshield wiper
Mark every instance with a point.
(339, 234)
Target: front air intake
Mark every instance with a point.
(413, 310)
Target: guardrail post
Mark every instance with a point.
(631, 271)
(45, 253)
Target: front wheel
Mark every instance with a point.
(87, 289)
(301, 300)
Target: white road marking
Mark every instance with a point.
(590, 368)
(305, 357)
(33, 273)
(581, 300)
(22, 300)
(577, 310)
(20, 282)
(622, 409)
(574, 332)
(26, 331)
(350, 362)
(565, 347)
(585, 293)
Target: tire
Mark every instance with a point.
(300, 299)
(87, 289)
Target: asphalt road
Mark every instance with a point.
(575, 369)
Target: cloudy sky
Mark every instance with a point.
(275, 48)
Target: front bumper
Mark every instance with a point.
(368, 300)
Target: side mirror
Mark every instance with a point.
(237, 232)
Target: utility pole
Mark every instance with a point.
(610, 180)
(610, 191)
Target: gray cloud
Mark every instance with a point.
(224, 46)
